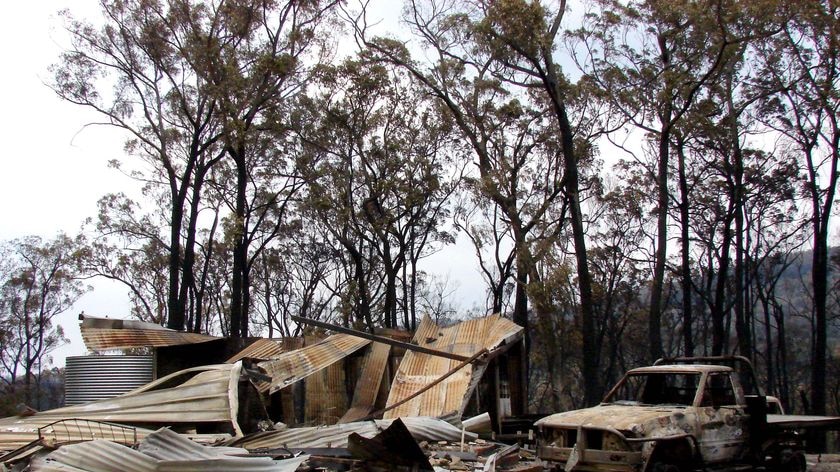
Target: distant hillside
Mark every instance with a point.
(804, 262)
(795, 288)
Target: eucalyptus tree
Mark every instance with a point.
(484, 225)
(616, 255)
(147, 53)
(757, 178)
(377, 161)
(296, 276)
(265, 55)
(139, 242)
(39, 280)
(491, 66)
(801, 61)
(653, 60)
(512, 208)
(776, 231)
(523, 38)
(713, 142)
(195, 82)
(708, 208)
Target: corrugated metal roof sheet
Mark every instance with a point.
(264, 349)
(162, 451)
(165, 444)
(422, 429)
(210, 396)
(102, 334)
(290, 367)
(418, 370)
(367, 386)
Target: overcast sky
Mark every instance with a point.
(54, 168)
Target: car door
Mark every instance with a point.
(723, 422)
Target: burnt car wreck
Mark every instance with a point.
(683, 414)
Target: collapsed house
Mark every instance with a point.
(336, 392)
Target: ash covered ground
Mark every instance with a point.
(823, 462)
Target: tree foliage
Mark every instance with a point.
(636, 182)
(40, 280)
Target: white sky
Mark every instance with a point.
(54, 169)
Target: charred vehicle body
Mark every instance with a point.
(679, 415)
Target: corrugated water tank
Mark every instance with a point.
(91, 378)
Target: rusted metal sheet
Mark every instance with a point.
(265, 349)
(165, 444)
(210, 395)
(290, 367)
(375, 337)
(367, 386)
(326, 395)
(392, 449)
(102, 334)
(418, 370)
(161, 451)
(308, 437)
(422, 429)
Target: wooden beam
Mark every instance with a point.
(381, 339)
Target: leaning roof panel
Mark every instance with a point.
(419, 370)
(264, 349)
(369, 382)
(290, 367)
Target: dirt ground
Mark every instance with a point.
(823, 462)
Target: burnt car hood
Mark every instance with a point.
(636, 419)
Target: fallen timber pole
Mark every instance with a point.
(474, 358)
(382, 339)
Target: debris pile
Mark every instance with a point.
(160, 451)
(377, 402)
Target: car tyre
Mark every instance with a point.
(793, 462)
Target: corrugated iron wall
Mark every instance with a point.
(326, 395)
(91, 378)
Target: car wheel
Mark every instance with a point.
(794, 462)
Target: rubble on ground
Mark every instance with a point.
(393, 448)
(216, 417)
